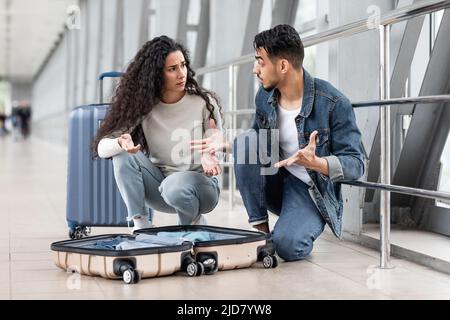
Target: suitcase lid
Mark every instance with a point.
(85, 246)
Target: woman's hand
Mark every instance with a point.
(126, 142)
(216, 142)
(210, 164)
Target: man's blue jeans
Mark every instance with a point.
(299, 222)
(142, 185)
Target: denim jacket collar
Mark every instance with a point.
(308, 95)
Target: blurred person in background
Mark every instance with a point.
(21, 117)
(3, 117)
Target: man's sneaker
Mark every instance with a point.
(254, 229)
(262, 227)
(135, 228)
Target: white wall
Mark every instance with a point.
(94, 40)
(49, 89)
(132, 16)
(49, 99)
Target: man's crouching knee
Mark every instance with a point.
(291, 247)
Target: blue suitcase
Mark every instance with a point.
(93, 198)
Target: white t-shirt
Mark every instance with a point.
(289, 141)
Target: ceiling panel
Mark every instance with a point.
(28, 31)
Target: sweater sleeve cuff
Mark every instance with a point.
(108, 148)
(335, 171)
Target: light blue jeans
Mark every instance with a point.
(142, 185)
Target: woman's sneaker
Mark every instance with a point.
(141, 222)
(201, 220)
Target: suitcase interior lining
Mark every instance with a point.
(234, 236)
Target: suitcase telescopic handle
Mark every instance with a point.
(111, 74)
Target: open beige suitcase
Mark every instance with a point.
(228, 249)
(198, 250)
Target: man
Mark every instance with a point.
(318, 141)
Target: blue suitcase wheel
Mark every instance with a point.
(86, 231)
(79, 232)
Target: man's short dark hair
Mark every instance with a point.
(282, 41)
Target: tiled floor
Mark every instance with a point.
(32, 197)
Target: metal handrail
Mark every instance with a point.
(430, 194)
(395, 16)
(398, 101)
(372, 103)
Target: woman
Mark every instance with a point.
(156, 109)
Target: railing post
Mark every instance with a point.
(385, 156)
(231, 107)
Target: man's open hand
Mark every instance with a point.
(307, 157)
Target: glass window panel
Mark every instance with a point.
(193, 16)
(191, 39)
(266, 15)
(306, 11)
(444, 177)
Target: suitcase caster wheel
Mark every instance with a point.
(200, 269)
(86, 231)
(270, 262)
(130, 276)
(194, 269)
(77, 233)
(210, 265)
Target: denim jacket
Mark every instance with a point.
(328, 111)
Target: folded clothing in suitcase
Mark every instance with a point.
(165, 250)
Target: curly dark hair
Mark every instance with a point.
(140, 89)
(282, 41)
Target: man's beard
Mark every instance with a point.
(269, 87)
